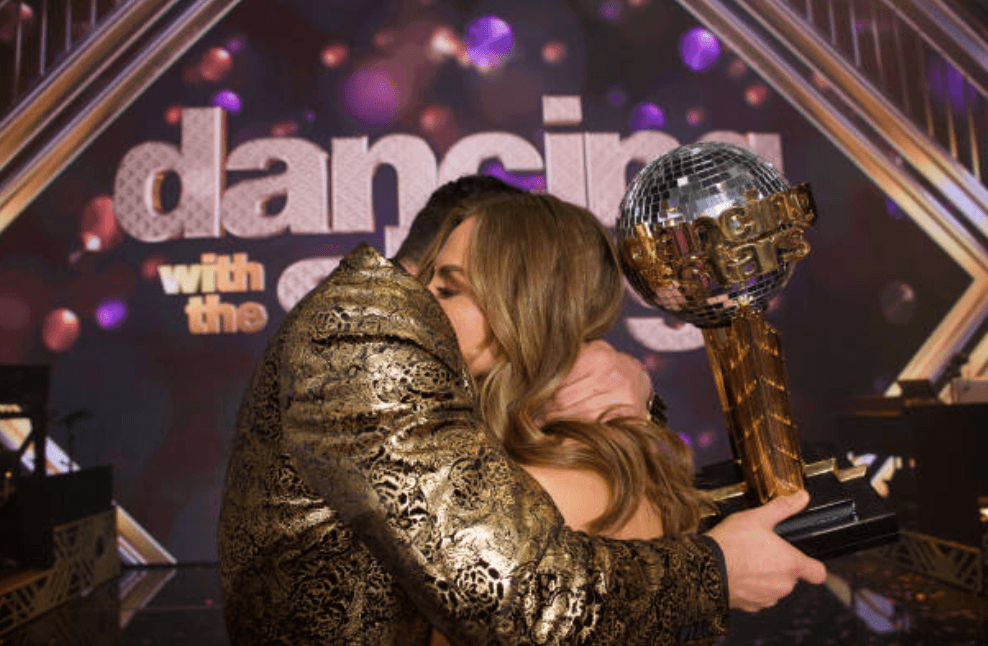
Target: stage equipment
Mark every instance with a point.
(709, 233)
(24, 393)
(939, 490)
(59, 532)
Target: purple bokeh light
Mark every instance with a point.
(610, 10)
(862, 26)
(525, 181)
(111, 313)
(647, 116)
(617, 96)
(235, 45)
(229, 101)
(700, 49)
(945, 80)
(489, 41)
(373, 96)
(892, 208)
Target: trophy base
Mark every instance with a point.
(844, 515)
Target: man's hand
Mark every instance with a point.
(603, 381)
(762, 567)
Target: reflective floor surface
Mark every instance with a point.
(865, 601)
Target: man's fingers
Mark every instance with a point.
(602, 381)
(776, 511)
(813, 571)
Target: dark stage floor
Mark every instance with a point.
(866, 601)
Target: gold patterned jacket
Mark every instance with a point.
(364, 500)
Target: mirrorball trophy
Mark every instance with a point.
(709, 233)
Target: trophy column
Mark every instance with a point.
(749, 371)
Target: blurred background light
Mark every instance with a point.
(215, 64)
(111, 313)
(617, 96)
(235, 45)
(434, 118)
(653, 361)
(334, 55)
(173, 115)
(898, 302)
(610, 10)
(443, 43)
(91, 242)
(892, 208)
(373, 96)
(775, 304)
(947, 82)
(9, 18)
(384, 38)
(696, 115)
(756, 94)
(98, 227)
(737, 68)
(60, 330)
(699, 49)
(228, 100)
(149, 267)
(284, 129)
(489, 41)
(553, 52)
(647, 116)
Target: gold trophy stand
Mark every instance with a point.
(844, 514)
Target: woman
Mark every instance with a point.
(528, 281)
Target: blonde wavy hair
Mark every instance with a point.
(545, 274)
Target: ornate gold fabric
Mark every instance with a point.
(364, 500)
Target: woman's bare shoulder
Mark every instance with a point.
(582, 496)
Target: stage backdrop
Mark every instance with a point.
(296, 129)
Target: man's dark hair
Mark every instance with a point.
(449, 196)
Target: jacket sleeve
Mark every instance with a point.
(385, 431)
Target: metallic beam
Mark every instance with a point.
(962, 321)
(35, 174)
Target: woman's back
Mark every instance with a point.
(531, 284)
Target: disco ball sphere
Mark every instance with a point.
(710, 227)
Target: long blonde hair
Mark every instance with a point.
(545, 274)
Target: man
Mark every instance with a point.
(451, 195)
(365, 502)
